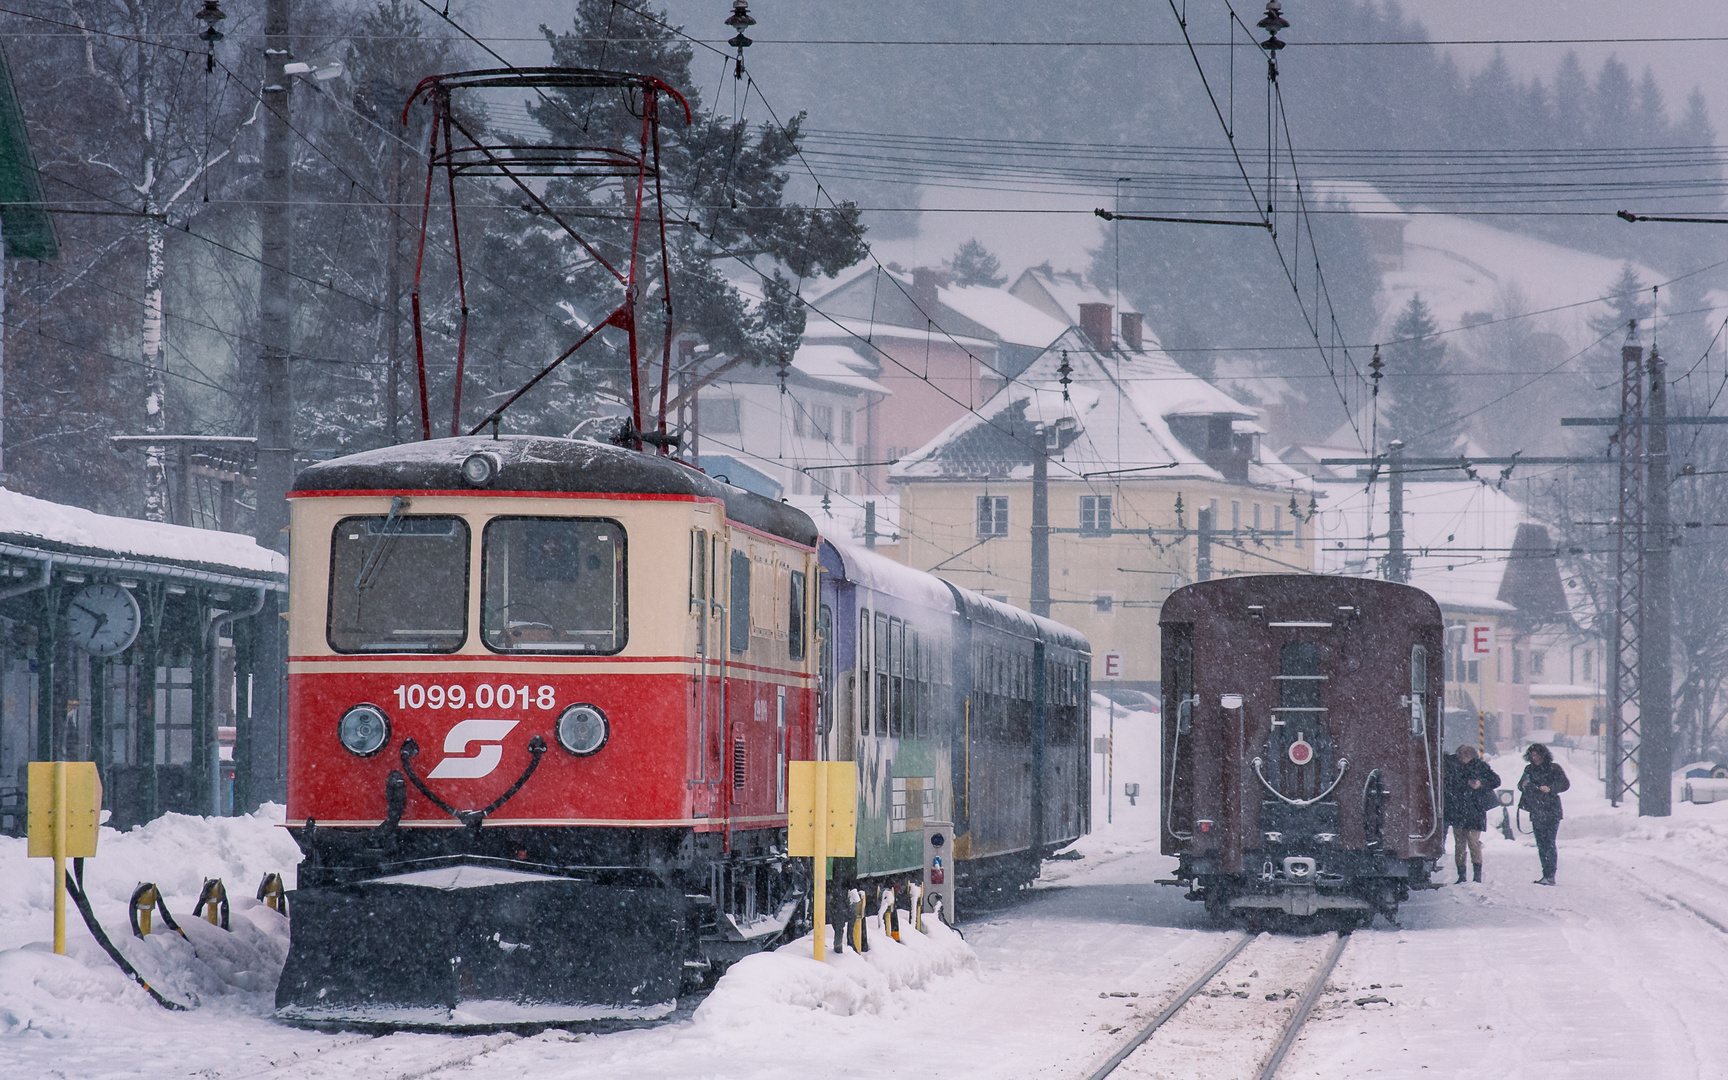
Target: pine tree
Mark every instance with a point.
(1628, 299)
(1423, 405)
(973, 264)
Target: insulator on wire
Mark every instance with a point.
(740, 21)
(210, 15)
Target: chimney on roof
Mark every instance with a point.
(1131, 331)
(1095, 323)
(925, 281)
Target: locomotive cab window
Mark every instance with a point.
(553, 585)
(398, 584)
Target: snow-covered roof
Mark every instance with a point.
(838, 365)
(821, 327)
(1066, 289)
(1013, 319)
(1121, 403)
(30, 521)
(1458, 535)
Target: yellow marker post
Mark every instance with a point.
(821, 823)
(65, 810)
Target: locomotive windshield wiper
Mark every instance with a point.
(387, 534)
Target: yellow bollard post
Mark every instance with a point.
(64, 812)
(60, 857)
(821, 822)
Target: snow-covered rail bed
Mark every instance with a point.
(391, 1057)
(1239, 1018)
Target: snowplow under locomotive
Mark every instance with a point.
(542, 697)
(1301, 744)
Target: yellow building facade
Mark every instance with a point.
(1136, 449)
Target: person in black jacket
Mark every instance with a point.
(1542, 783)
(1470, 790)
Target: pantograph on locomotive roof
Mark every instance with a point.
(474, 156)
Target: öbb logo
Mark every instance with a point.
(458, 764)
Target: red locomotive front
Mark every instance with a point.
(530, 674)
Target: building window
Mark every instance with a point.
(1235, 516)
(1473, 671)
(845, 427)
(992, 516)
(720, 416)
(797, 419)
(845, 483)
(822, 421)
(1104, 603)
(1256, 517)
(1587, 656)
(1536, 659)
(1095, 515)
(1278, 526)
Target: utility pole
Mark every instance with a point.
(1040, 520)
(1203, 544)
(393, 290)
(1397, 567)
(1655, 671)
(275, 304)
(1624, 667)
(260, 745)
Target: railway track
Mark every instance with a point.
(1654, 893)
(1261, 952)
(379, 1057)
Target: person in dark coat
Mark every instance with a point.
(1541, 785)
(1470, 791)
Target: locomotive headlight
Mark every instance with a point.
(363, 730)
(479, 468)
(582, 730)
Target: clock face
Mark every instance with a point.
(103, 619)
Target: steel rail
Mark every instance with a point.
(1170, 1010)
(1303, 1008)
(1292, 1027)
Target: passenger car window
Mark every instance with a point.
(398, 584)
(553, 585)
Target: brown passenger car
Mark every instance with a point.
(1302, 743)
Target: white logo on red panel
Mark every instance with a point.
(458, 764)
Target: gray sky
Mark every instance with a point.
(1679, 66)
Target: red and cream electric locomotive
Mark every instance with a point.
(541, 697)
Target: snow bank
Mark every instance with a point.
(844, 984)
(83, 992)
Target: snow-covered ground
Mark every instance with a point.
(1619, 971)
